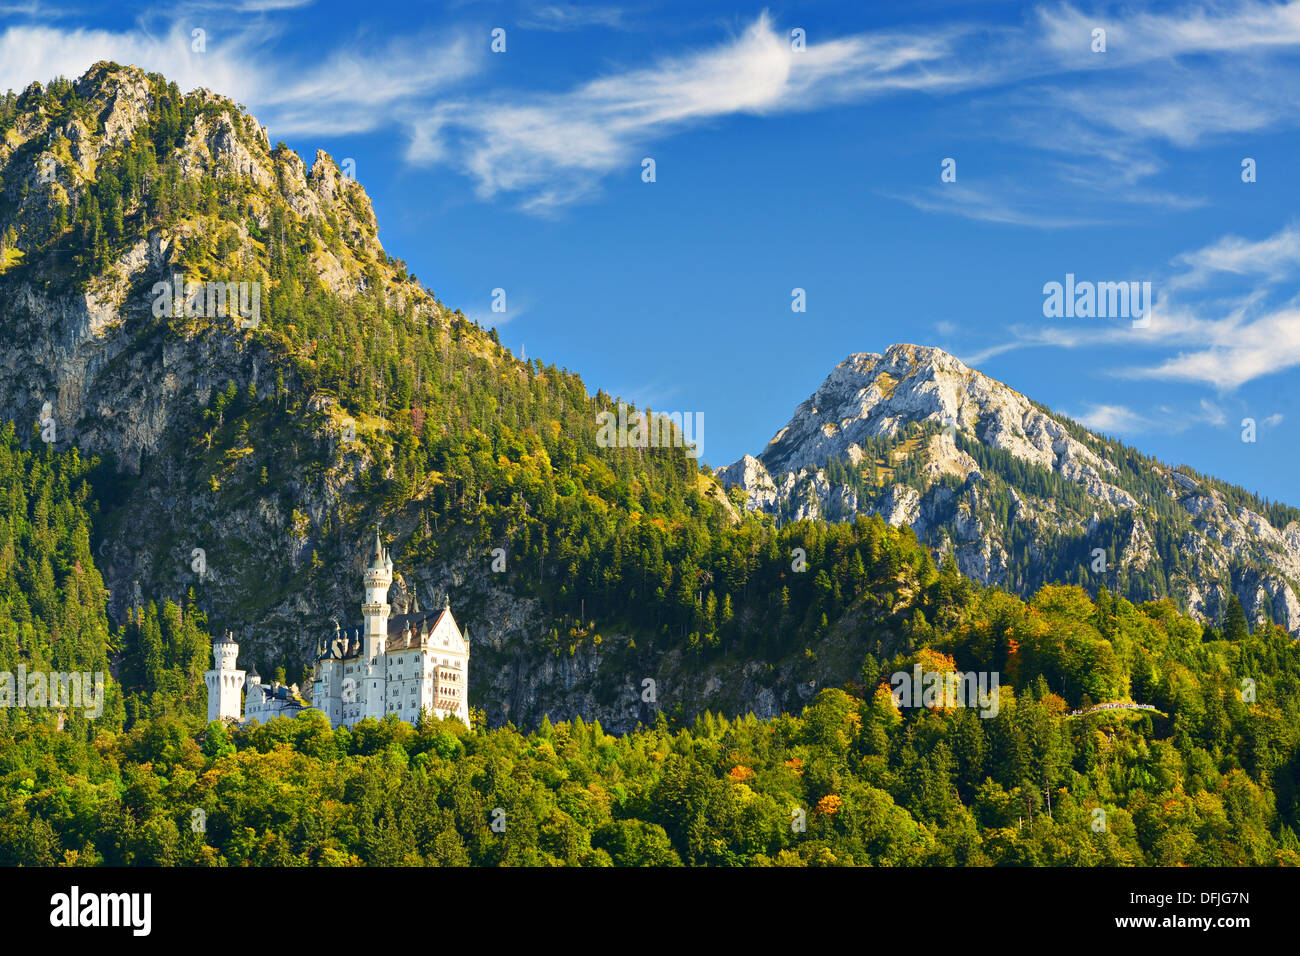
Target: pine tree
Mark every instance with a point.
(1235, 627)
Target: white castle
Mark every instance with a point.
(400, 664)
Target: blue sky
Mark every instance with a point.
(779, 168)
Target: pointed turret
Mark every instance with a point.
(379, 559)
(375, 611)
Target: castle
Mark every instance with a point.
(399, 664)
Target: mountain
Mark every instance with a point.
(246, 459)
(1018, 495)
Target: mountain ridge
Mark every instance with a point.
(936, 414)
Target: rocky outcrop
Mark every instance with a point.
(949, 500)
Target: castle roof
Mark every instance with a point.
(285, 695)
(411, 631)
(379, 557)
(343, 646)
(405, 632)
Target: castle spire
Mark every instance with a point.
(377, 577)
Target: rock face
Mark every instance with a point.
(1046, 497)
(81, 350)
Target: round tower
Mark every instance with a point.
(224, 681)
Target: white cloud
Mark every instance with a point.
(1248, 26)
(654, 395)
(1003, 204)
(517, 306)
(1274, 258)
(548, 148)
(554, 146)
(1223, 352)
(1120, 419)
(568, 16)
(1112, 419)
(1212, 414)
(1237, 352)
(356, 90)
(1175, 78)
(344, 91)
(1183, 105)
(246, 6)
(30, 53)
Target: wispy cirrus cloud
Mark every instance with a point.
(364, 88)
(350, 89)
(554, 146)
(1002, 203)
(1257, 335)
(1172, 78)
(1183, 107)
(1095, 136)
(1136, 36)
(246, 6)
(1113, 419)
(1232, 353)
(569, 16)
(32, 52)
(1274, 258)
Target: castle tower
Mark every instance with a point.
(378, 576)
(224, 681)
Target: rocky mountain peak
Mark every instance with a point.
(869, 396)
(1018, 495)
(117, 181)
(51, 153)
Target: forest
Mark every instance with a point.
(1210, 777)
